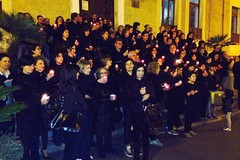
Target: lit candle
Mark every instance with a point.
(55, 25)
(197, 63)
(186, 44)
(45, 96)
(157, 46)
(51, 71)
(187, 62)
(177, 50)
(142, 61)
(183, 47)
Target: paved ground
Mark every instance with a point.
(211, 143)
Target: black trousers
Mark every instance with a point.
(104, 127)
(72, 144)
(30, 144)
(190, 115)
(140, 134)
(85, 135)
(127, 125)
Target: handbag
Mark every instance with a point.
(68, 122)
(155, 118)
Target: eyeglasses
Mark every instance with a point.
(103, 72)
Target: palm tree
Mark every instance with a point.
(220, 40)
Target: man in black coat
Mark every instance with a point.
(236, 72)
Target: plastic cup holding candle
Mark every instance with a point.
(113, 97)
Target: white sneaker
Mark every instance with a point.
(156, 142)
(227, 129)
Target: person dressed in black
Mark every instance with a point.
(104, 95)
(192, 94)
(236, 72)
(29, 120)
(73, 104)
(40, 87)
(139, 92)
(86, 85)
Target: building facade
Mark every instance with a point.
(206, 18)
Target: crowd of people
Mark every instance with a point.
(109, 70)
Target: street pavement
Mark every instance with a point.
(210, 143)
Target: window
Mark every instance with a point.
(168, 12)
(194, 13)
(235, 35)
(194, 18)
(0, 6)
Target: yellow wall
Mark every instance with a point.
(48, 8)
(147, 13)
(7, 5)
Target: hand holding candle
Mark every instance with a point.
(45, 99)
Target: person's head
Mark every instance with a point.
(128, 65)
(39, 64)
(209, 60)
(101, 72)
(190, 35)
(202, 66)
(125, 32)
(86, 31)
(59, 21)
(4, 61)
(179, 32)
(217, 48)
(40, 19)
(212, 66)
(28, 15)
(154, 51)
(133, 55)
(84, 67)
(94, 16)
(191, 77)
(145, 35)
(26, 63)
(139, 71)
(161, 28)
(118, 43)
(46, 21)
(182, 53)
(216, 57)
(169, 41)
(190, 66)
(182, 36)
(201, 44)
(193, 48)
(120, 28)
(59, 58)
(71, 49)
(147, 27)
(136, 26)
(74, 17)
(194, 57)
(176, 40)
(36, 50)
(179, 71)
(172, 48)
(105, 34)
(201, 51)
(65, 33)
(153, 67)
(68, 75)
(106, 61)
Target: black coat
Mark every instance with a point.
(236, 72)
(133, 93)
(29, 120)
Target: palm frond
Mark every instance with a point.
(9, 110)
(21, 28)
(4, 91)
(219, 40)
